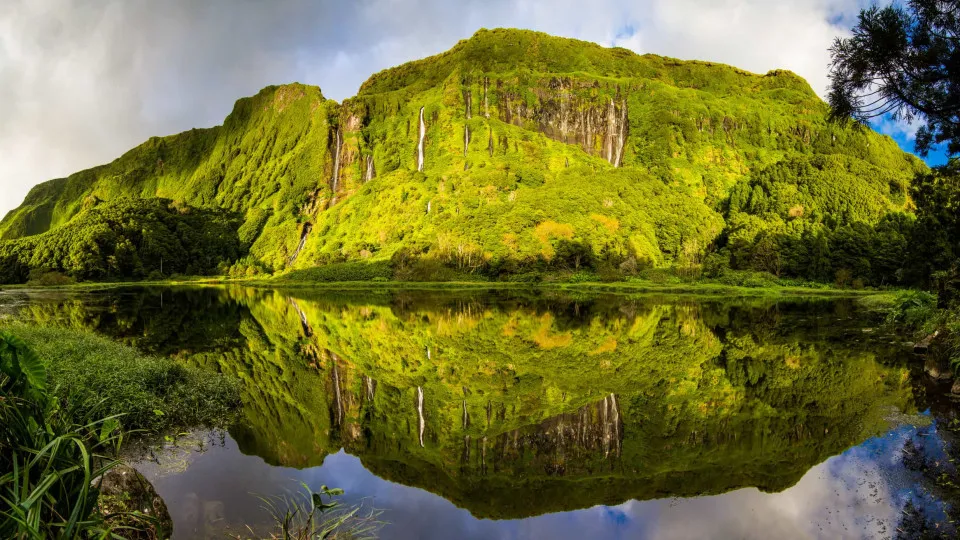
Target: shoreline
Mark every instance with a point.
(636, 287)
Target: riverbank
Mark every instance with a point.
(637, 286)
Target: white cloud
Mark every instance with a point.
(82, 82)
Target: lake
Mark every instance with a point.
(537, 414)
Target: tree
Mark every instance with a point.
(902, 60)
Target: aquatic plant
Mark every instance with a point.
(309, 515)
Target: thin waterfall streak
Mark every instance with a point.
(611, 133)
(335, 179)
(304, 232)
(622, 139)
(304, 323)
(338, 401)
(368, 382)
(420, 413)
(371, 171)
(423, 132)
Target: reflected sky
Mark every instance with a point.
(857, 494)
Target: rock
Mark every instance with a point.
(124, 490)
(934, 370)
(924, 344)
(955, 389)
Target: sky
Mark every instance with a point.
(83, 81)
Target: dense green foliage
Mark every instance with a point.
(937, 238)
(127, 238)
(539, 154)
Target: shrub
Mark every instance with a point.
(337, 272)
(40, 278)
(715, 264)
(583, 277)
(912, 309)
(842, 277)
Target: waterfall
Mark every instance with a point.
(420, 423)
(611, 425)
(423, 132)
(336, 169)
(370, 172)
(616, 421)
(564, 109)
(303, 240)
(428, 348)
(466, 416)
(338, 400)
(305, 325)
(486, 104)
(466, 139)
(483, 455)
(622, 136)
(428, 211)
(371, 387)
(611, 131)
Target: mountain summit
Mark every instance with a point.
(512, 150)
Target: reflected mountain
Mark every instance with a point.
(517, 405)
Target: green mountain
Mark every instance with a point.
(513, 151)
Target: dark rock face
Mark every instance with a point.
(924, 345)
(124, 490)
(564, 113)
(935, 369)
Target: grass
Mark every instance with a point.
(376, 276)
(97, 376)
(632, 287)
(305, 515)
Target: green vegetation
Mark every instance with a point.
(66, 400)
(305, 515)
(542, 156)
(124, 238)
(50, 454)
(99, 376)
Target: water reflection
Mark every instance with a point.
(848, 496)
(517, 407)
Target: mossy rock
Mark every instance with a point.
(134, 504)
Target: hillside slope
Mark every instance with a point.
(513, 150)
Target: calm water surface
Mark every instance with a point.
(504, 415)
